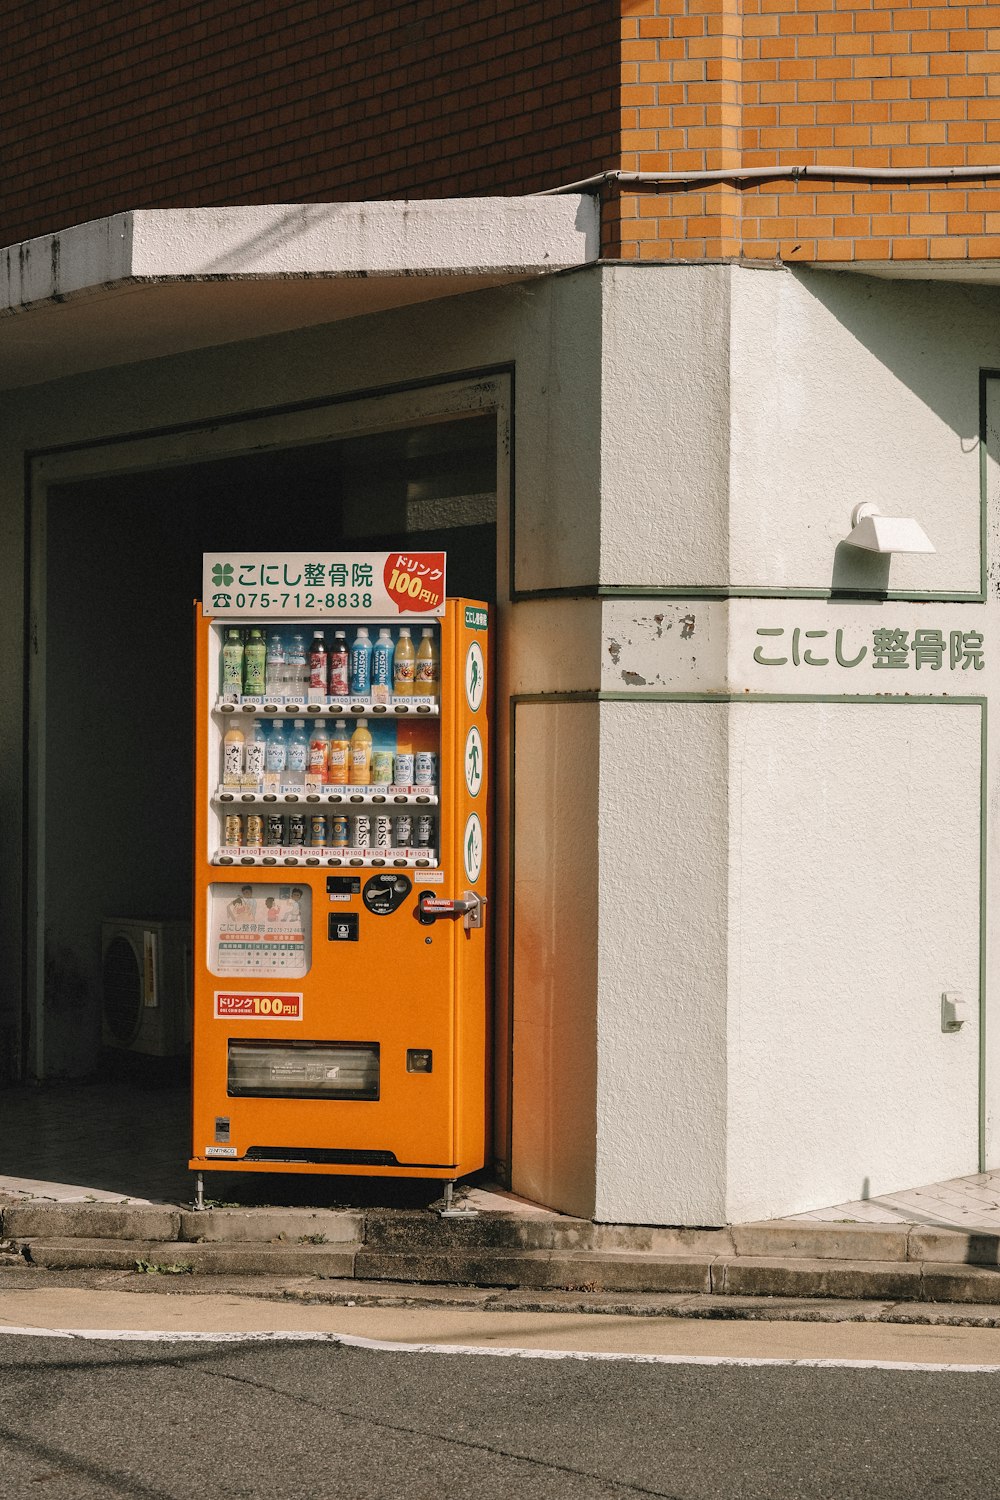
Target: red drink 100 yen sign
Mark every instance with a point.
(415, 580)
(258, 1007)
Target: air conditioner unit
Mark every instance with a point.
(146, 970)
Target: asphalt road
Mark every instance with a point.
(167, 1421)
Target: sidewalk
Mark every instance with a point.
(92, 1178)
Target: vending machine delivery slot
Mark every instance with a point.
(341, 998)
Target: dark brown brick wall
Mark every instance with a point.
(105, 107)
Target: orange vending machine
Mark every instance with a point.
(340, 1004)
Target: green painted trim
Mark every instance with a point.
(739, 591)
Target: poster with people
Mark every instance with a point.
(260, 930)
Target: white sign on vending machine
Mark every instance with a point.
(296, 585)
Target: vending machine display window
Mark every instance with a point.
(259, 930)
(303, 1070)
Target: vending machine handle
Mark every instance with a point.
(469, 908)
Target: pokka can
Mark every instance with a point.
(338, 831)
(317, 830)
(234, 830)
(404, 831)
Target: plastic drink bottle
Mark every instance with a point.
(276, 755)
(361, 754)
(317, 666)
(254, 756)
(232, 756)
(319, 755)
(340, 754)
(339, 676)
(361, 664)
(274, 673)
(425, 682)
(382, 666)
(232, 667)
(254, 659)
(403, 664)
(298, 756)
(297, 668)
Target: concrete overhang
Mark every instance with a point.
(154, 282)
(971, 272)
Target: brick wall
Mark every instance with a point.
(116, 105)
(762, 83)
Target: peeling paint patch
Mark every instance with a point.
(687, 627)
(633, 679)
(615, 651)
(658, 622)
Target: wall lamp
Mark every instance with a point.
(878, 533)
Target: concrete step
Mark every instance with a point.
(113, 1221)
(178, 1257)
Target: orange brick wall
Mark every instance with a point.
(860, 83)
(107, 105)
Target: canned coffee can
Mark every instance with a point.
(296, 828)
(255, 829)
(425, 768)
(275, 828)
(361, 831)
(381, 767)
(404, 770)
(383, 832)
(404, 830)
(317, 830)
(425, 833)
(234, 830)
(338, 831)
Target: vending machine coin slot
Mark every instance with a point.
(386, 893)
(343, 885)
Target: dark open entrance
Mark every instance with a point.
(123, 565)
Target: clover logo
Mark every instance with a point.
(222, 575)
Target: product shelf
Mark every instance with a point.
(290, 856)
(329, 708)
(348, 796)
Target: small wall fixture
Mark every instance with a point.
(878, 533)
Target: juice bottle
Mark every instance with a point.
(317, 666)
(232, 666)
(340, 685)
(319, 755)
(425, 682)
(232, 756)
(382, 666)
(403, 664)
(340, 754)
(361, 754)
(361, 664)
(254, 663)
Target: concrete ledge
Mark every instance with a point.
(817, 1241)
(91, 1221)
(174, 1256)
(586, 1271)
(969, 1247)
(254, 1226)
(771, 1277)
(952, 1283)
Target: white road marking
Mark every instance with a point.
(390, 1346)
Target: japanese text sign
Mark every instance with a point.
(296, 585)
